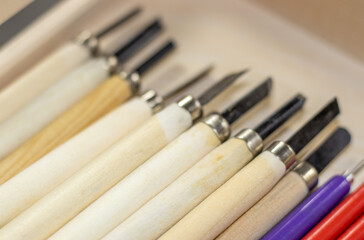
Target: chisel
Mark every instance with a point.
(67, 91)
(306, 215)
(355, 231)
(100, 101)
(340, 218)
(52, 68)
(69, 198)
(288, 192)
(25, 188)
(162, 169)
(187, 191)
(246, 187)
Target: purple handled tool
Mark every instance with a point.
(306, 215)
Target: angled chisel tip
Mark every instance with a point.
(314, 126)
(247, 102)
(158, 55)
(218, 88)
(279, 117)
(328, 150)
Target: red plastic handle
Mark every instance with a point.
(355, 231)
(339, 218)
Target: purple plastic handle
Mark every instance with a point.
(306, 215)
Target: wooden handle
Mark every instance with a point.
(170, 205)
(40, 77)
(55, 209)
(27, 187)
(50, 104)
(266, 213)
(231, 200)
(103, 99)
(130, 194)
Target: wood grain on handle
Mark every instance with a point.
(187, 191)
(68, 199)
(231, 200)
(38, 78)
(141, 185)
(31, 184)
(266, 213)
(103, 99)
(44, 109)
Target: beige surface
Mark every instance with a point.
(21, 191)
(231, 200)
(110, 94)
(68, 199)
(10, 7)
(187, 191)
(131, 193)
(237, 34)
(266, 213)
(50, 104)
(38, 78)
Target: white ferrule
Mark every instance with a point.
(72, 196)
(230, 201)
(131, 193)
(187, 191)
(50, 104)
(40, 77)
(25, 188)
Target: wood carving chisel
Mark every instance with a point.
(307, 214)
(69, 198)
(188, 190)
(66, 92)
(249, 185)
(288, 192)
(52, 68)
(355, 231)
(25, 188)
(339, 218)
(162, 169)
(100, 101)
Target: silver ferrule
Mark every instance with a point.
(284, 152)
(308, 173)
(252, 139)
(88, 40)
(219, 125)
(111, 64)
(133, 79)
(192, 105)
(349, 176)
(154, 101)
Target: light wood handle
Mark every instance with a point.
(55, 209)
(170, 205)
(27, 187)
(103, 99)
(51, 104)
(266, 213)
(37, 79)
(131, 193)
(231, 200)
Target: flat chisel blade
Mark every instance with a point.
(313, 127)
(328, 150)
(232, 113)
(139, 41)
(219, 87)
(279, 117)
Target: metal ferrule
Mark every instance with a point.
(133, 79)
(88, 40)
(192, 105)
(308, 173)
(154, 101)
(349, 176)
(219, 125)
(283, 151)
(252, 139)
(111, 64)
